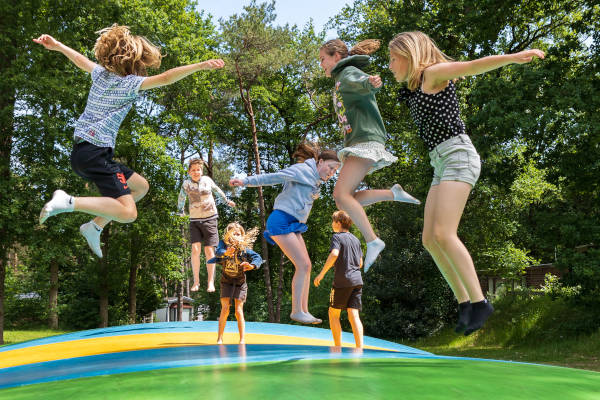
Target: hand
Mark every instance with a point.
(247, 266)
(527, 55)
(213, 64)
(236, 182)
(231, 203)
(48, 42)
(375, 81)
(317, 280)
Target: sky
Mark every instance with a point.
(297, 12)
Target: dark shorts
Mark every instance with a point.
(282, 223)
(96, 164)
(204, 232)
(229, 290)
(348, 297)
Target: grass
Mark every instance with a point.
(582, 352)
(18, 336)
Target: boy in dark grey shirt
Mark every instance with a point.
(346, 256)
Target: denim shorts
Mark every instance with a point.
(455, 160)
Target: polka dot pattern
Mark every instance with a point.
(436, 115)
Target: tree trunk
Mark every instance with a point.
(132, 292)
(279, 288)
(2, 278)
(261, 202)
(53, 296)
(103, 279)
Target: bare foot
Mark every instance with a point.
(219, 341)
(195, 287)
(211, 287)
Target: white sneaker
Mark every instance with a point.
(304, 318)
(374, 247)
(402, 196)
(92, 235)
(61, 202)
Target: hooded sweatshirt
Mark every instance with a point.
(301, 186)
(355, 104)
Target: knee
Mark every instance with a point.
(334, 314)
(142, 187)
(441, 237)
(427, 239)
(128, 215)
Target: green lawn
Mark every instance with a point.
(581, 352)
(12, 337)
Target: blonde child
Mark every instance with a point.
(433, 104)
(346, 257)
(234, 253)
(364, 135)
(203, 218)
(116, 81)
(301, 186)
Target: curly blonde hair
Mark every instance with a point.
(248, 238)
(421, 52)
(120, 52)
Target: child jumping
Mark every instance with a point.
(432, 101)
(364, 135)
(301, 186)
(203, 218)
(116, 82)
(236, 257)
(346, 257)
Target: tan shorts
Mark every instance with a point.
(455, 160)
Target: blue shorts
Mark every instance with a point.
(282, 223)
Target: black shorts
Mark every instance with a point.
(230, 290)
(348, 297)
(96, 164)
(205, 232)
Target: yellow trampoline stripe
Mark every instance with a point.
(115, 344)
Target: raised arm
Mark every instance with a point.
(442, 72)
(328, 264)
(175, 74)
(360, 82)
(77, 58)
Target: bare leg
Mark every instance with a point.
(336, 327)
(306, 288)
(449, 201)
(223, 318)
(196, 250)
(138, 186)
(296, 252)
(357, 327)
(368, 197)
(351, 174)
(440, 259)
(239, 315)
(209, 252)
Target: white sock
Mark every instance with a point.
(374, 247)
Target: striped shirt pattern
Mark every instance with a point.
(110, 99)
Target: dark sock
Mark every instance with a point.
(480, 312)
(464, 316)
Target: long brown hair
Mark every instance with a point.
(120, 52)
(366, 47)
(306, 150)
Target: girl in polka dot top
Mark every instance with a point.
(431, 98)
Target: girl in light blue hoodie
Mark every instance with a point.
(301, 186)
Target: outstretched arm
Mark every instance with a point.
(441, 72)
(175, 74)
(328, 264)
(77, 58)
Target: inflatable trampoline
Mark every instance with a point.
(181, 361)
